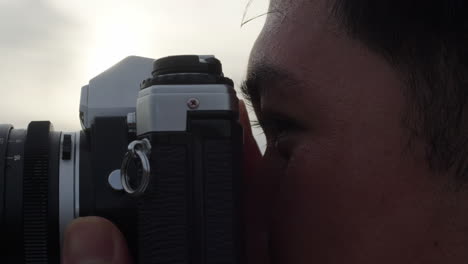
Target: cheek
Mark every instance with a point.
(311, 206)
(335, 199)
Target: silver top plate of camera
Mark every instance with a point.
(116, 92)
(164, 107)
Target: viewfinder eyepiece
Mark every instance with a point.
(187, 64)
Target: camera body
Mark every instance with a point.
(189, 209)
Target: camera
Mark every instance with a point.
(159, 155)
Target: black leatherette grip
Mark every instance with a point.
(163, 210)
(190, 213)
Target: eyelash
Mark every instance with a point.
(273, 128)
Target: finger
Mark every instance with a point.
(94, 240)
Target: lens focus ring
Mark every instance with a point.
(35, 193)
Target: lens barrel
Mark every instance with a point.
(4, 134)
(12, 232)
(30, 217)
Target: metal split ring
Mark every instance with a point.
(137, 149)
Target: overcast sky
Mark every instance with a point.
(50, 48)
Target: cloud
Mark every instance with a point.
(50, 48)
(36, 47)
(31, 27)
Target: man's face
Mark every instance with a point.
(340, 186)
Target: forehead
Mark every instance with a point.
(299, 12)
(302, 40)
(293, 4)
(294, 28)
(298, 37)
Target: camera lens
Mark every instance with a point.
(29, 170)
(42, 190)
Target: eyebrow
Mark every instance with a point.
(261, 77)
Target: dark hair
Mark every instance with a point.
(427, 42)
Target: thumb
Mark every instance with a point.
(94, 240)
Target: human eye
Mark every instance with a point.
(273, 127)
(280, 131)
